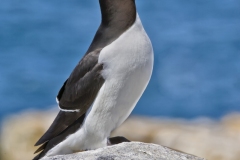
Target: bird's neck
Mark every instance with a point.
(118, 13)
(117, 17)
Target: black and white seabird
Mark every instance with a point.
(105, 86)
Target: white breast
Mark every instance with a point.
(128, 64)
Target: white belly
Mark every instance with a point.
(128, 64)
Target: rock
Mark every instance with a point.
(20, 132)
(203, 137)
(210, 139)
(128, 151)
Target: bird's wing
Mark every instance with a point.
(59, 138)
(76, 95)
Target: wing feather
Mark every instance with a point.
(78, 92)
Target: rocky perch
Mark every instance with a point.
(128, 151)
(213, 139)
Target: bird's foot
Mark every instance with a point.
(116, 140)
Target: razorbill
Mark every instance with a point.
(104, 87)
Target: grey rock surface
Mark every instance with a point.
(128, 151)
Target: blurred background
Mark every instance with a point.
(195, 82)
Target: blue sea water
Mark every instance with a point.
(196, 44)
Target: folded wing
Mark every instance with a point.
(75, 97)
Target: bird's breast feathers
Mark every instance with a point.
(132, 50)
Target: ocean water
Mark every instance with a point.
(196, 44)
